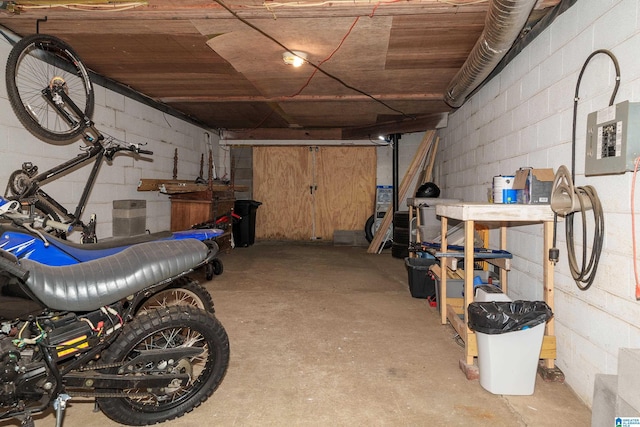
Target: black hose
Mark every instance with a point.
(576, 98)
(584, 275)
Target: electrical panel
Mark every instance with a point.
(613, 139)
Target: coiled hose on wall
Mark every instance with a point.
(582, 199)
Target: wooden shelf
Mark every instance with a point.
(179, 186)
(505, 215)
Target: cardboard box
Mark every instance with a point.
(534, 185)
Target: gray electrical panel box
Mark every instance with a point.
(613, 139)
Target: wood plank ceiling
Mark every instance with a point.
(385, 65)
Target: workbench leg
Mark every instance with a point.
(547, 369)
(443, 272)
(469, 234)
(504, 284)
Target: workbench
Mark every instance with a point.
(504, 215)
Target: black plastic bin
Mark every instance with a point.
(244, 230)
(421, 283)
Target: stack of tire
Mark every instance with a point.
(401, 235)
(401, 224)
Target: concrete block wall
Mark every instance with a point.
(242, 161)
(124, 118)
(523, 117)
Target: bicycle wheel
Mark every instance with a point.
(46, 210)
(38, 62)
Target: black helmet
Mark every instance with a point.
(428, 189)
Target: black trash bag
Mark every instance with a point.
(499, 317)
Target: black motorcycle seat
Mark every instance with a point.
(90, 285)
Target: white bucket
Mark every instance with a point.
(501, 182)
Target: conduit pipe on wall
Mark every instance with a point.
(504, 22)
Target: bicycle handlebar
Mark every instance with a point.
(111, 151)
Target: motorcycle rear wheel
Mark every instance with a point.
(183, 291)
(170, 327)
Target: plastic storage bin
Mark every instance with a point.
(455, 287)
(509, 347)
(421, 283)
(488, 293)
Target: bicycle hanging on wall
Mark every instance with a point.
(50, 91)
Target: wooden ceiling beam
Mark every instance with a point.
(304, 98)
(407, 125)
(282, 134)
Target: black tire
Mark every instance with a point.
(399, 251)
(370, 228)
(401, 235)
(47, 210)
(184, 325)
(218, 268)
(401, 219)
(26, 77)
(183, 291)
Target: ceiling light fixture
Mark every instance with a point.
(294, 57)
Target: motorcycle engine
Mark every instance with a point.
(19, 378)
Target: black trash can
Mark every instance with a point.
(244, 230)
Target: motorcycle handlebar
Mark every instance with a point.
(57, 225)
(36, 222)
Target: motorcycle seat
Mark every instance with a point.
(90, 285)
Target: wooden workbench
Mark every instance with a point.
(505, 215)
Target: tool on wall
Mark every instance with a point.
(567, 200)
(175, 164)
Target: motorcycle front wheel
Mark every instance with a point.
(176, 326)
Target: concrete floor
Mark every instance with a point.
(324, 335)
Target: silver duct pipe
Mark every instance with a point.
(505, 19)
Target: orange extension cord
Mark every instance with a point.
(633, 227)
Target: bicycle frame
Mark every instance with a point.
(97, 152)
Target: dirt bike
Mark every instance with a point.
(79, 330)
(21, 235)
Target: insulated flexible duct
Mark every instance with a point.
(504, 22)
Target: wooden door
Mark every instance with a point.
(281, 179)
(309, 192)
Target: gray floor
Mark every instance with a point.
(324, 335)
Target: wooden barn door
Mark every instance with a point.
(308, 192)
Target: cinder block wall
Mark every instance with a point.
(523, 118)
(128, 120)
